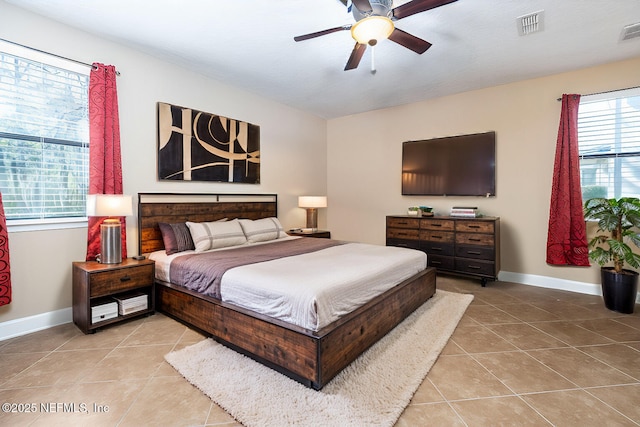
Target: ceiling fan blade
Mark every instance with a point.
(321, 33)
(409, 41)
(356, 56)
(417, 6)
(362, 5)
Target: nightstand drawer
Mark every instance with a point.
(321, 234)
(119, 280)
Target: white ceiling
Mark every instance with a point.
(249, 44)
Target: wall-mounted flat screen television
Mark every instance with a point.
(463, 165)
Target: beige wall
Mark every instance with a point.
(293, 152)
(364, 161)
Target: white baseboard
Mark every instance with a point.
(27, 325)
(554, 283)
(38, 322)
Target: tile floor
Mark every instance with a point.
(520, 356)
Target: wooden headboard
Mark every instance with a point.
(196, 207)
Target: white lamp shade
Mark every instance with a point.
(109, 205)
(312, 201)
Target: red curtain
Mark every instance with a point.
(105, 163)
(5, 265)
(567, 236)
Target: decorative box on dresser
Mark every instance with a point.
(98, 287)
(465, 246)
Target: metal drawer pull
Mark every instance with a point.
(473, 252)
(474, 267)
(436, 249)
(436, 237)
(474, 226)
(435, 262)
(475, 240)
(125, 279)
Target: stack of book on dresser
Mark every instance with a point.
(464, 212)
(131, 303)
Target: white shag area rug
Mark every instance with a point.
(371, 391)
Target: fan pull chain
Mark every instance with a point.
(373, 60)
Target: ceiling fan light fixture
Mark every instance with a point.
(372, 28)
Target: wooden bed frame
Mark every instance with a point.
(310, 357)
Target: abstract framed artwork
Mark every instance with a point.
(198, 146)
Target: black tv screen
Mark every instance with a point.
(463, 165)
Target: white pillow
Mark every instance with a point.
(262, 230)
(213, 235)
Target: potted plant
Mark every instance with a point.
(414, 211)
(619, 219)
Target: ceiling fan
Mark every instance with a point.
(375, 21)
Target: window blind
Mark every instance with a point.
(44, 139)
(609, 144)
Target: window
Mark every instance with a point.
(609, 144)
(44, 136)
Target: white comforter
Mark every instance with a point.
(312, 290)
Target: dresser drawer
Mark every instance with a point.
(438, 248)
(437, 224)
(473, 266)
(475, 239)
(437, 236)
(403, 233)
(441, 262)
(118, 280)
(404, 243)
(477, 252)
(475, 226)
(394, 222)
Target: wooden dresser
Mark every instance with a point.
(466, 246)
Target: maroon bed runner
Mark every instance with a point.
(203, 272)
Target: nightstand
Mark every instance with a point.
(104, 294)
(323, 234)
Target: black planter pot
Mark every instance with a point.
(619, 290)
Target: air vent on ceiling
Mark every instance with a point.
(531, 23)
(630, 32)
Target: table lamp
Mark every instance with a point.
(311, 204)
(111, 206)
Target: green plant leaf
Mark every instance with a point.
(620, 218)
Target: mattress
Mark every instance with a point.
(314, 289)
